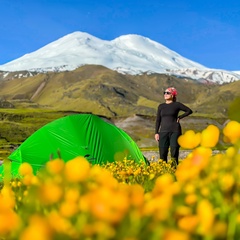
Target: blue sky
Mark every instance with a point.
(207, 32)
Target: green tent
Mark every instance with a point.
(76, 135)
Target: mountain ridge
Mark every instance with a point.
(131, 101)
(103, 91)
(127, 54)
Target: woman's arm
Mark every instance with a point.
(158, 120)
(187, 111)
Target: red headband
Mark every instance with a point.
(173, 91)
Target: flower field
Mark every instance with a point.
(198, 199)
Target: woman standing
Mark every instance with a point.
(168, 127)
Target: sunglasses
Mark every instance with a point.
(168, 93)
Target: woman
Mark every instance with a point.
(168, 127)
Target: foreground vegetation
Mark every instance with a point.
(124, 200)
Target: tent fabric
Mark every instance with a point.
(77, 135)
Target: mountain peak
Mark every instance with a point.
(132, 54)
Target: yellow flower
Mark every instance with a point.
(50, 193)
(68, 209)
(9, 220)
(206, 215)
(72, 195)
(201, 157)
(188, 223)
(137, 195)
(162, 184)
(84, 203)
(232, 131)
(14, 184)
(25, 169)
(59, 223)
(55, 166)
(158, 207)
(190, 188)
(28, 179)
(227, 181)
(104, 229)
(191, 199)
(103, 177)
(38, 229)
(238, 218)
(175, 235)
(7, 198)
(77, 169)
(231, 152)
(183, 211)
(210, 136)
(108, 205)
(137, 172)
(189, 139)
(205, 191)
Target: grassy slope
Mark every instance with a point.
(96, 89)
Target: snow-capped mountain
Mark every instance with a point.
(132, 54)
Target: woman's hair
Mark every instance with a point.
(173, 91)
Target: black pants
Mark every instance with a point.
(166, 140)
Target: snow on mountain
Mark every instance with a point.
(132, 54)
(207, 76)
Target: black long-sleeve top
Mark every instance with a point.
(167, 115)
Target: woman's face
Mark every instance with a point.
(167, 95)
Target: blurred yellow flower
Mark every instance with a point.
(136, 195)
(232, 131)
(189, 188)
(9, 220)
(50, 193)
(210, 136)
(72, 194)
(188, 223)
(227, 181)
(59, 223)
(25, 169)
(158, 207)
(84, 202)
(28, 179)
(108, 205)
(13, 184)
(206, 215)
(105, 230)
(231, 151)
(162, 184)
(151, 176)
(201, 156)
(7, 198)
(205, 191)
(103, 177)
(191, 199)
(68, 209)
(55, 166)
(38, 229)
(175, 235)
(189, 139)
(183, 210)
(77, 169)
